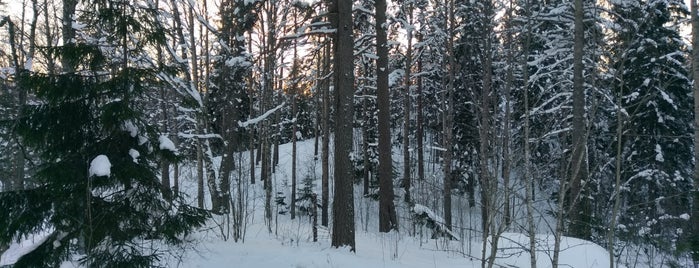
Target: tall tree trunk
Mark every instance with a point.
(325, 154)
(343, 205)
(579, 224)
(200, 167)
(506, 152)
(199, 128)
(365, 142)
(617, 172)
(407, 106)
(251, 129)
(419, 135)
(529, 188)
(267, 90)
(164, 163)
(51, 65)
(67, 31)
(387, 210)
(449, 116)
(489, 184)
(695, 88)
(294, 77)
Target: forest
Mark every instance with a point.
(127, 127)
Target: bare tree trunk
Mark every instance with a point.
(214, 190)
(449, 117)
(343, 205)
(317, 99)
(200, 169)
(695, 88)
(529, 194)
(578, 163)
(579, 224)
(267, 90)
(51, 65)
(617, 174)
(164, 163)
(200, 122)
(365, 142)
(419, 136)
(529, 189)
(387, 210)
(489, 185)
(251, 129)
(506, 152)
(407, 106)
(67, 31)
(325, 154)
(294, 77)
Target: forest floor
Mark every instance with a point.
(289, 244)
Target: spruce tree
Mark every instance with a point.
(656, 95)
(97, 197)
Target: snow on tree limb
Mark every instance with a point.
(261, 117)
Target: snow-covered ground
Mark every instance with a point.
(262, 250)
(290, 242)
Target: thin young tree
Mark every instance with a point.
(448, 104)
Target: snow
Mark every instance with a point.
(659, 153)
(574, 252)
(241, 62)
(28, 64)
(78, 26)
(667, 98)
(134, 155)
(393, 250)
(166, 144)
(261, 117)
(100, 166)
(290, 243)
(24, 246)
(395, 77)
(420, 209)
(130, 128)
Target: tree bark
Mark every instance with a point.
(449, 117)
(419, 135)
(695, 89)
(294, 77)
(387, 210)
(407, 106)
(343, 230)
(67, 31)
(529, 188)
(365, 142)
(325, 150)
(617, 173)
(579, 226)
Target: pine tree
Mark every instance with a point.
(97, 194)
